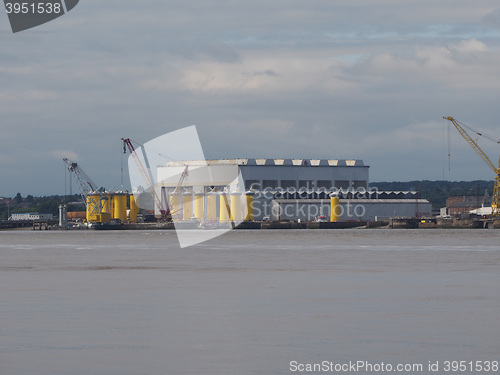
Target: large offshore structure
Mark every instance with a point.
(279, 189)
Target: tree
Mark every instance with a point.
(19, 198)
(30, 199)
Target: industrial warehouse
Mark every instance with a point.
(279, 189)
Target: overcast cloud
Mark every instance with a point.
(285, 78)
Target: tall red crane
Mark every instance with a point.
(146, 175)
(149, 180)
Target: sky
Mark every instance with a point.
(367, 79)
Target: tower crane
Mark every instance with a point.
(495, 201)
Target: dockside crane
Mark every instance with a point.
(495, 201)
(98, 202)
(147, 176)
(184, 174)
(177, 189)
(86, 184)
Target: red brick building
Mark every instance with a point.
(458, 205)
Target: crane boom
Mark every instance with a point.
(86, 183)
(184, 174)
(145, 175)
(176, 192)
(472, 143)
(96, 199)
(145, 171)
(495, 202)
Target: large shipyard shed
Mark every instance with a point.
(261, 174)
(310, 174)
(294, 188)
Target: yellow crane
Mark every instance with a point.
(495, 200)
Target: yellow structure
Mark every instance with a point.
(91, 202)
(211, 207)
(198, 206)
(111, 204)
(134, 210)
(104, 217)
(224, 208)
(249, 206)
(175, 207)
(120, 207)
(105, 204)
(187, 206)
(236, 207)
(98, 208)
(335, 208)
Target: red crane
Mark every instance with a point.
(148, 178)
(146, 175)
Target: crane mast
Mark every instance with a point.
(96, 200)
(146, 175)
(177, 191)
(184, 174)
(145, 171)
(495, 201)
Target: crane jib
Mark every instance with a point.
(495, 203)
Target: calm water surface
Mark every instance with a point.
(248, 302)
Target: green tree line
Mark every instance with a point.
(45, 204)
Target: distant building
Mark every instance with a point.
(284, 189)
(260, 174)
(354, 205)
(458, 205)
(32, 216)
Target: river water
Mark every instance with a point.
(248, 302)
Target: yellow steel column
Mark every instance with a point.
(224, 207)
(175, 207)
(211, 207)
(335, 208)
(133, 209)
(105, 203)
(236, 207)
(120, 207)
(187, 206)
(105, 216)
(249, 206)
(198, 206)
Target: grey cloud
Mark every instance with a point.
(328, 78)
(199, 50)
(493, 19)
